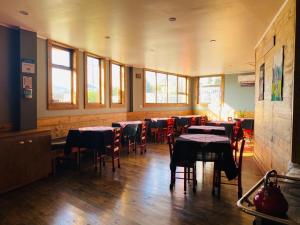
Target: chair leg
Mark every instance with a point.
(113, 162)
(184, 180)
(189, 172)
(240, 188)
(194, 178)
(119, 160)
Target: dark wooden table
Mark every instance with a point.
(204, 147)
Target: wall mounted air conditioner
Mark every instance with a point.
(247, 80)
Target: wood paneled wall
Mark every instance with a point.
(273, 120)
(60, 125)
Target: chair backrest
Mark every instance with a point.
(143, 132)
(170, 126)
(130, 130)
(240, 160)
(193, 121)
(171, 142)
(203, 120)
(117, 138)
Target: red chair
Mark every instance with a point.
(143, 138)
(170, 126)
(236, 131)
(193, 121)
(112, 150)
(189, 169)
(203, 120)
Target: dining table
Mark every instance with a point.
(96, 138)
(227, 124)
(195, 129)
(190, 148)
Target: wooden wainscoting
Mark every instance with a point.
(4, 127)
(60, 126)
(156, 114)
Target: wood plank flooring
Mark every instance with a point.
(138, 193)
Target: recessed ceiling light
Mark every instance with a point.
(24, 13)
(213, 41)
(172, 19)
(107, 37)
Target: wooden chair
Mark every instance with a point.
(130, 134)
(203, 120)
(143, 138)
(234, 141)
(238, 180)
(112, 151)
(189, 169)
(170, 127)
(57, 152)
(193, 121)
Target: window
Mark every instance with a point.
(62, 77)
(117, 84)
(94, 81)
(163, 88)
(210, 90)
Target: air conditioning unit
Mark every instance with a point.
(247, 80)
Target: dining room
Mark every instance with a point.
(149, 112)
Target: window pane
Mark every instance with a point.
(182, 98)
(181, 85)
(61, 85)
(93, 80)
(172, 89)
(162, 92)
(116, 83)
(150, 87)
(61, 57)
(210, 90)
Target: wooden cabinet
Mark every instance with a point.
(24, 157)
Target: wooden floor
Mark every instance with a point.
(138, 193)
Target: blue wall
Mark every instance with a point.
(237, 97)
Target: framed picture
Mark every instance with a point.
(261, 83)
(277, 80)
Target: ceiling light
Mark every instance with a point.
(107, 37)
(213, 41)
(172, 19)
(23, 12)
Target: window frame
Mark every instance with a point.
(74, 72)
(145, 104)
(221, 86)
(122, 84)
(102, 68)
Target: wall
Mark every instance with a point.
(273, 120)
(244, 100)
(8, 71)
(233, 102)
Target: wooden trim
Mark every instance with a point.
(74, 64)
(163, 104)
(122, 85)
(88, 105)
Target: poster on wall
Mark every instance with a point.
(277, 80)
(261, 83)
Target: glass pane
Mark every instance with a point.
(93, 80)
(172, 89)
(162, 90)
(181, 85)
(61, 85)
(210, 90)
(61, 57)
(182, 98)
(207, 81)
(150, 87)
(210, 95)
(116, 83)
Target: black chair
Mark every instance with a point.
(189, 168)
(130, 135)
(238, 181)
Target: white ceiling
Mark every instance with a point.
(142, 36)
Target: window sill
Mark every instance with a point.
(62, 106)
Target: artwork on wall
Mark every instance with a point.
(261, 83)
(277, 80)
